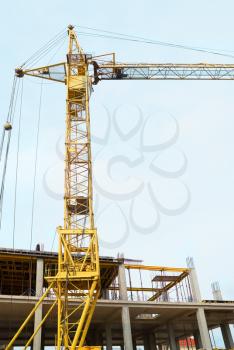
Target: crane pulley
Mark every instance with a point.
(78, 274)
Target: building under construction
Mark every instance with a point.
(75, 299)
(151, 306)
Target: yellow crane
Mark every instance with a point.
(78, 274)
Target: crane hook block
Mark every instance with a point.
(19, 72)
(7, 126)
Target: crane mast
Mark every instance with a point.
(78, 272)
(78, 267)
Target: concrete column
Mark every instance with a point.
(196, 293)
(108, 337)
(225, 328)
(38, 313)
(201, 318)
(126, 324)
(203, 329)
(216, 291)
(172, 338)
(127, 332)
(122, 283)
(227, 336)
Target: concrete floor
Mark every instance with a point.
(182, 316)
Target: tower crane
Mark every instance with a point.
(78, 272)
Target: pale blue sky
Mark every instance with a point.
(203, 110)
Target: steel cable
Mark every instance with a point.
(17, 166)
(44, 53)
(9, 114)
(44, 48)
(35, 166)
(10, 118)
(133, 38)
